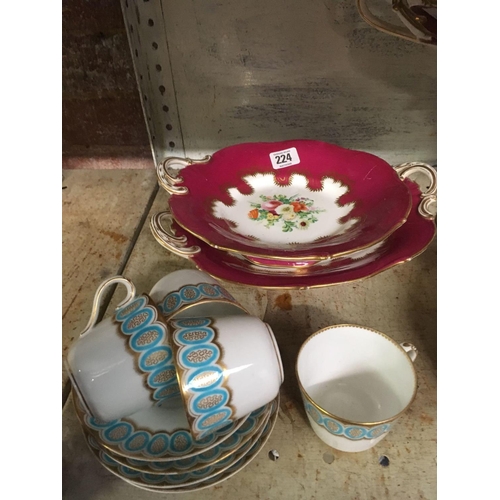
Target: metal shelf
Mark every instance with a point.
(211, 74)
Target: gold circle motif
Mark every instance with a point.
(159, 445)
(213, 419)
(164, 376)
(210, 401)
(189, 293)
(118, 433)
(156, 358)
(171, 302)
(167, 391)
(137, 442)
(147, 337)
(180, 442)
(137, 320)
(316, 416)
(192, 322)
(209, 290)
(194, 335)
(205, 379)
(334, 427)
(199, 355)
(355, 432)
(130, 308)
(377, 432)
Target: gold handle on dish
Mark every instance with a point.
(167, 238)
(167, 176)
(428, 206)
(415, 24)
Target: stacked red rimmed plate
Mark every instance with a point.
(295, 214)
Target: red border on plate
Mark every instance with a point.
(382, 199)
(407, 242)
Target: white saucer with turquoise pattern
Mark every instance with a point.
(215, 455)
(241, 460)
(159, 434)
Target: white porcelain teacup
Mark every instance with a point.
(123, 364)
(226, 367)
(355, 383)
(189, 293)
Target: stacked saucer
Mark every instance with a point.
(154, 448)
(295, 214)
(179, 390)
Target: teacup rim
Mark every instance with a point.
(186, 307)
(346, 420)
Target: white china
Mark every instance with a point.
(159, 434)
(212, 456)
(355, 383)
(226, 367)
(243, 460)
(404, 244)
(189, 293)
(123, 364)
(189, 479)
(330, 201)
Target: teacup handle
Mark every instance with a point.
(167, 238)
(410, 349)
(168, 181)
(99, 294)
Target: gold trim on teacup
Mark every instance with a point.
(342, 419)
(203, 301)
(158, 319)
(186, 394)
(134, 355)
(276, 351)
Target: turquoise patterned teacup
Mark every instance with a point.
(226, 366)
(189, 293)
(355, 383)
(123, 364)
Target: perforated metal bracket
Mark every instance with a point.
(149, 48)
